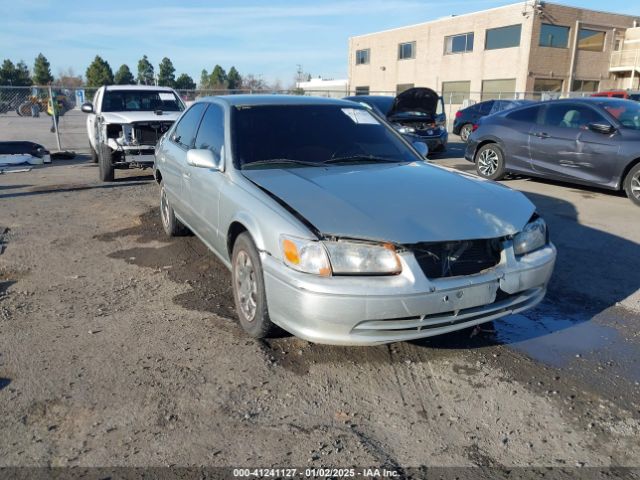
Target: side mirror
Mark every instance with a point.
(604, 128)
(87, 107)
(203, 158)
(422, 148)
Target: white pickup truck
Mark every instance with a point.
(125, 122)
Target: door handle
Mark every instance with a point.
(186, 175)
(542, 135)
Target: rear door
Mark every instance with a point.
(562, 145)
(515, 135)
(173, 160)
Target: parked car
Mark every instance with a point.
(626, 94)
(468, 117)
(589, 141)
(337, 231)
(417, 112)
(125, 122)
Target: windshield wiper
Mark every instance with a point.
(360, 158)
(280, 161)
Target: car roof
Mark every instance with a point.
(138, 87)
(259, 99)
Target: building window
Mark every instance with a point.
(401, 87)
(407, 50)
(362, 56)
(455, 92)
(362, 90)
(591, 40)
(497, 89)
(554, 36)
(503, 37)
(589, 86)
(551, 87)
(458, 43)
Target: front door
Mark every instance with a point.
(562, 145)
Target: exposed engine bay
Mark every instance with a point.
(136, 141)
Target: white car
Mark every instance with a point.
(125, 122)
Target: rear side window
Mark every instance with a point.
(211, 132)
(485, 107)
(528, 115)
(185, 132)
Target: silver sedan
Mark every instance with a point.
(336, 230)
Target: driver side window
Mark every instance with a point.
(567, 115)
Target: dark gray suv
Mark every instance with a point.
(590, 141)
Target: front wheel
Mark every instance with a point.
(170, 223)
(632, 184)
(248, 288)
(490, 162)
(465, 131)
(105, 162)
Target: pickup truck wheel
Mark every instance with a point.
(248, 288)
(172, 226)
(490, 162)
(93, 153)
(632, 184)
(105, 162)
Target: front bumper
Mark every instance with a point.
(436, 143)
(374, 310)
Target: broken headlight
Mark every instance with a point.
(532, 237)
(339, 257)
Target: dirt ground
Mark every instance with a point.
(119, 347)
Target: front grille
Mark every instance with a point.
(150, 133)
(453, 259)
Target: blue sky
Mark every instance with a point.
(259, 37)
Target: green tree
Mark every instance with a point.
(185, 82)
(166, 73)
(145, 71)
(218, 78)
(7, 72)
(22, 76)
(99, 73)
(234, 80)
(124, 76)
(42, 71)
(205, 80)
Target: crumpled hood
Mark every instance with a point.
(423, 100)
(130, 117)
(404, 204)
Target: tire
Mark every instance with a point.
(93, 153)
(105, 162)
(632, 184)
(171, 225)
(248, 288)
(490, 162)
(465, 131)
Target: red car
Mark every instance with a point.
(619, 94)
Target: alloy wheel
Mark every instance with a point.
(164, 208)
(465, 132)
(488, 162)
(635, 186)
(246, 285)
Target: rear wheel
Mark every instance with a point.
(490, 162)
(171, 225)
(105, 162)
(465, 131)
(632, 184)
(248, 288)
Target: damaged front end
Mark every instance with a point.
(134, 143)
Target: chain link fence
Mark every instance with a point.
(25, 112)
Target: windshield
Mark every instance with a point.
(627, 112)
(271, 135)
(140, 101)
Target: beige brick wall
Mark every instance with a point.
(431, 67)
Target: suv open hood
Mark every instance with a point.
(422, 100)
